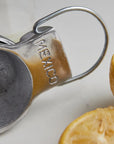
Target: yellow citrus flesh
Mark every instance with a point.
(111, 75)
(95, 127)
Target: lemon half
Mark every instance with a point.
(111, 74)
(95, 127)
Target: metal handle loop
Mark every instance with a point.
(67, 9)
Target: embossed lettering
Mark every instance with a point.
(44, 53)
(53, 80)
(47, 61)
(51, 72)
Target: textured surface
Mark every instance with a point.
(95, 127)
(15, 88)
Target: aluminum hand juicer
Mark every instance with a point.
(36, 63)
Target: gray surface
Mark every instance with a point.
(15, 88)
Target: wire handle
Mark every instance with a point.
(39, 31)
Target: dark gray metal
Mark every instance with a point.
(15, 88)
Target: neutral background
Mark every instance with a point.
(83, 39)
